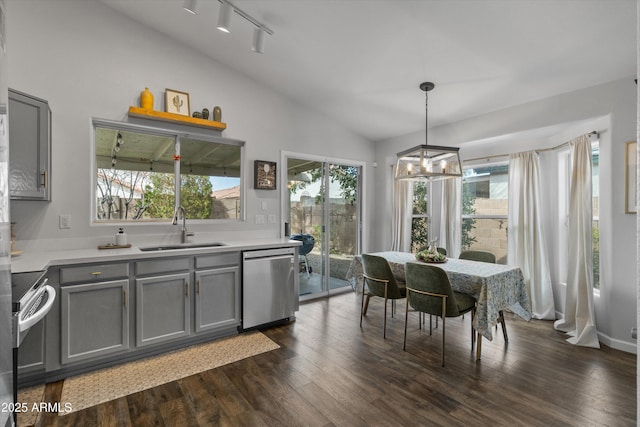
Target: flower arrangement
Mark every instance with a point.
(430, 256)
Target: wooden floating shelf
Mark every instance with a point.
(175, 118)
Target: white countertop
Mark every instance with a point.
(34, 261)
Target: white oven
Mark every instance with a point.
(32, 299)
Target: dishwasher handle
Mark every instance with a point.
(269, 253)
(270, 258)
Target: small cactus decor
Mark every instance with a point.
(177, 102)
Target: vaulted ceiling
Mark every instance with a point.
(361, 61)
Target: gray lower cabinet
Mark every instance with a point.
(162, 308)
(94, 320)
(217, 298)
(122, 310)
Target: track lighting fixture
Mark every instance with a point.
(224, 17)
(258, 40)
(224, 24)
(190, 6)
(224, 21)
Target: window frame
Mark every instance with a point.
(498, 217)
(428, 215)
(167, 130)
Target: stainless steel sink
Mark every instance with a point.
(181, 246)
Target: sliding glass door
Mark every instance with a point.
(324, 213)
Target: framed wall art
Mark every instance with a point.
(630, 177)
(177, 102)
(264, 175)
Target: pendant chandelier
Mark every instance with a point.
(428, 162)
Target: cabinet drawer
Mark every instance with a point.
(162, 265)
(218, 260)
(94, 273)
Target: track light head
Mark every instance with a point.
(224, 17)
(258, 40)
(190, 6)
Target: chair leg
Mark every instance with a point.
(363, 308)
(479, 347)
(444, 317)
(406, 318)
(473, 332)
(504, 326)
(393, 307)
(366, 304)
(384, 324)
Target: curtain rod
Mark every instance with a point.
(538, 150)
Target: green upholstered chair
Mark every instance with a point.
(429, 291)
(481, 256)
(379, 282)
(484, 256)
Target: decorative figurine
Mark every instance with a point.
(217, 114)
(146, 99)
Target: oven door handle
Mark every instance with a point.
(25, 324)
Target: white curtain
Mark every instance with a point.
(526, 244)
(451, 216)
(579, 313)
(401, 221)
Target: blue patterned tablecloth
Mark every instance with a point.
(495, 286)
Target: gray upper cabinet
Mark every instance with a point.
(29, 147)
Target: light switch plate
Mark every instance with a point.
(271, 219)
(259, 219)
(65, 221)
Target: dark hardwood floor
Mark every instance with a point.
(330, 372)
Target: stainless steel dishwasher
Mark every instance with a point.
(270, 286)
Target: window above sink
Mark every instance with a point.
(141, 174)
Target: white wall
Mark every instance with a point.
(89, 61)
(609, 109)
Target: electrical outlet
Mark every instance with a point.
(65, 221)
(259, 219)
(271, 219)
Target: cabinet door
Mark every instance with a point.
(94, 320)
(29, 147)
(217, 298)
(162, 308)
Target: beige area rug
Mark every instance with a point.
(29, 397)
(107, 384)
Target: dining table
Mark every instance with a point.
(495, 287)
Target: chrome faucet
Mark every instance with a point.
(185, 233)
